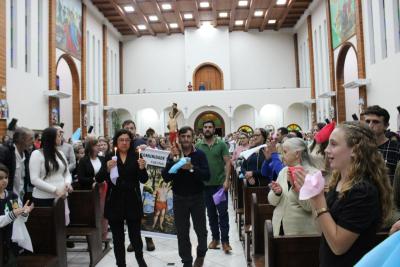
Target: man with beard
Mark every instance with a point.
(219, 162)
(188, 187)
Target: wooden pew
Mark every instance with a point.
(46, 227)
(239, 206)
(262, 197)
(259, 213)
(85, 221)
(290, 251)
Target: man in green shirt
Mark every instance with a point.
(220, 166)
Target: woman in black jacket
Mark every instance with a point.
(91, 167)
(123, 200)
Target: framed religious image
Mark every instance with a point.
(343, 20)
(3, 109)
(69, 27)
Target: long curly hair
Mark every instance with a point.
(366, 164)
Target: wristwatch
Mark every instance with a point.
(319, 212)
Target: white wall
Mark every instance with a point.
(207, 44)
(112, 63)
(351, 95)
(248, 60)
(94, 74)
(383, 72)
(25, 89)
(227, 101)
(244, 115)
(64, 72)
(154, 64)
(262, 59)
(321, 60)
(297, 113)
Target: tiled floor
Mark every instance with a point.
(166, 253)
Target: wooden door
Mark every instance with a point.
(210, 77)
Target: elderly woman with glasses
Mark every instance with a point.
(123, 200)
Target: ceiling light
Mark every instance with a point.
(204, 4)
(243, 3)
(129, 9)
(258, 13)
(153, 18)
(272, 21)
(281, 2)
(142, 27)
(166, 6)
(173, 25)
(239, 22)
(188, 16)
(223, 14)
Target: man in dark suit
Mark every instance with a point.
(15, 155)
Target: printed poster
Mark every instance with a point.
(343, 20)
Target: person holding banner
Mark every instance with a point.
(123, 200)
(188, 188)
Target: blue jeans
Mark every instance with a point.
(217, 214)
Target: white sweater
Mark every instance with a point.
(45, 186)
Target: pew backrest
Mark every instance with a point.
(290, 251)
(262, 197)
(259, 213)
(46, 227)
(84, 207)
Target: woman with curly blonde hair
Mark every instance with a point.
(359, 200)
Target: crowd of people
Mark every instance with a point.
(359, 160)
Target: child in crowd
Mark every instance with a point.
(10, 209)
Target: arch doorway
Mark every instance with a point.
(68, 82)
(208, 76)
(207, 116)
(347, 71)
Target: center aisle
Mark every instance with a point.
(166, 253)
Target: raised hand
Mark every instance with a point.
(276, 188)
(142, 163)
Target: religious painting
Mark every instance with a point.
(3, 109)
(69, 27)
(158, 219)
(343, 20)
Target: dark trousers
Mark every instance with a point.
(217, 214)
(184, 207)
(118, 235)
(43, 202)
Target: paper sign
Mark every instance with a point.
(155, 157)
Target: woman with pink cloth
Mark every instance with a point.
(292, 216)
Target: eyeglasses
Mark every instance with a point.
(122, 140)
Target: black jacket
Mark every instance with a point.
(184, 182)
(85, 172)
(7, 157)
(123, 200)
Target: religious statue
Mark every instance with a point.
(173, 124)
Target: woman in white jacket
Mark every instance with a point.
(291, 215)
(49, 172)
